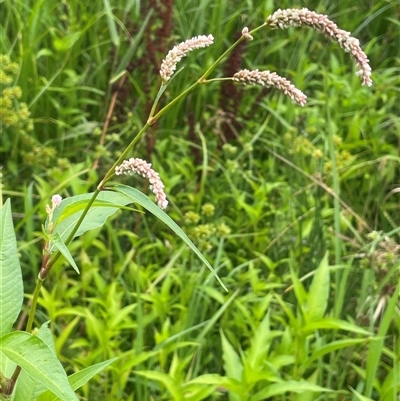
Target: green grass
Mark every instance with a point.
(294, 184)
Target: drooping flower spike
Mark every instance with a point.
(271, 79)
(141, 167)
(168, 65)
(295, 18)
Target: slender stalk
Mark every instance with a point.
(33, 306)
(337, 211)
(152, 120)
(9, 387)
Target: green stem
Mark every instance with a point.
(33, 305)
(337, 211)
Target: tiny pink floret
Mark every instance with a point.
(56, 200)
(246, 34)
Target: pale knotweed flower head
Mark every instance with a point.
(141, 167)
(168, 65)
(271, 79)
(295, 18)
(245, 33)
(55, 201)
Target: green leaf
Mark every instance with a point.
(67, 214)
(307, 395)
(59, 244)
(130, 52)
(319, 292)
(276, 46)
(78, 379)
(197, 391)
(111, 23)
(232, 364)
(44, 53)
(65, 43)
(169, 383)
(11, 286)
(359, 396)
(221, 381)
(260, 343)
(141, 199)
(28, 389)
(334, 346)
(285, 387)
(336, 324)
(80, 205)
(47, 336)
(299, 290)
(38, 360)
(376, 348)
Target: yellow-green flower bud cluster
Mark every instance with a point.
(208, 209)
(206, 234)
(301, 145)
(384, 257)
(15, 119)
(13, 113)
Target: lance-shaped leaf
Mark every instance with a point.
(68, 213)
(11, 287)
(28, 389)
(38, 361)
(78, 379)
(141, 199)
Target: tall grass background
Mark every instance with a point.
(295, 191)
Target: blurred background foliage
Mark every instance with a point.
(263, 187)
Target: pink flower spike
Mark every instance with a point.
(295, 18)
(168, 65)
(141, 167)
(271, 79)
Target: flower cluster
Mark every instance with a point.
(141, 167)
(205, 235)
(295, 18)
(168, 65)
(12, 112)
(15, 119)
(271, 79)
(55, 202)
